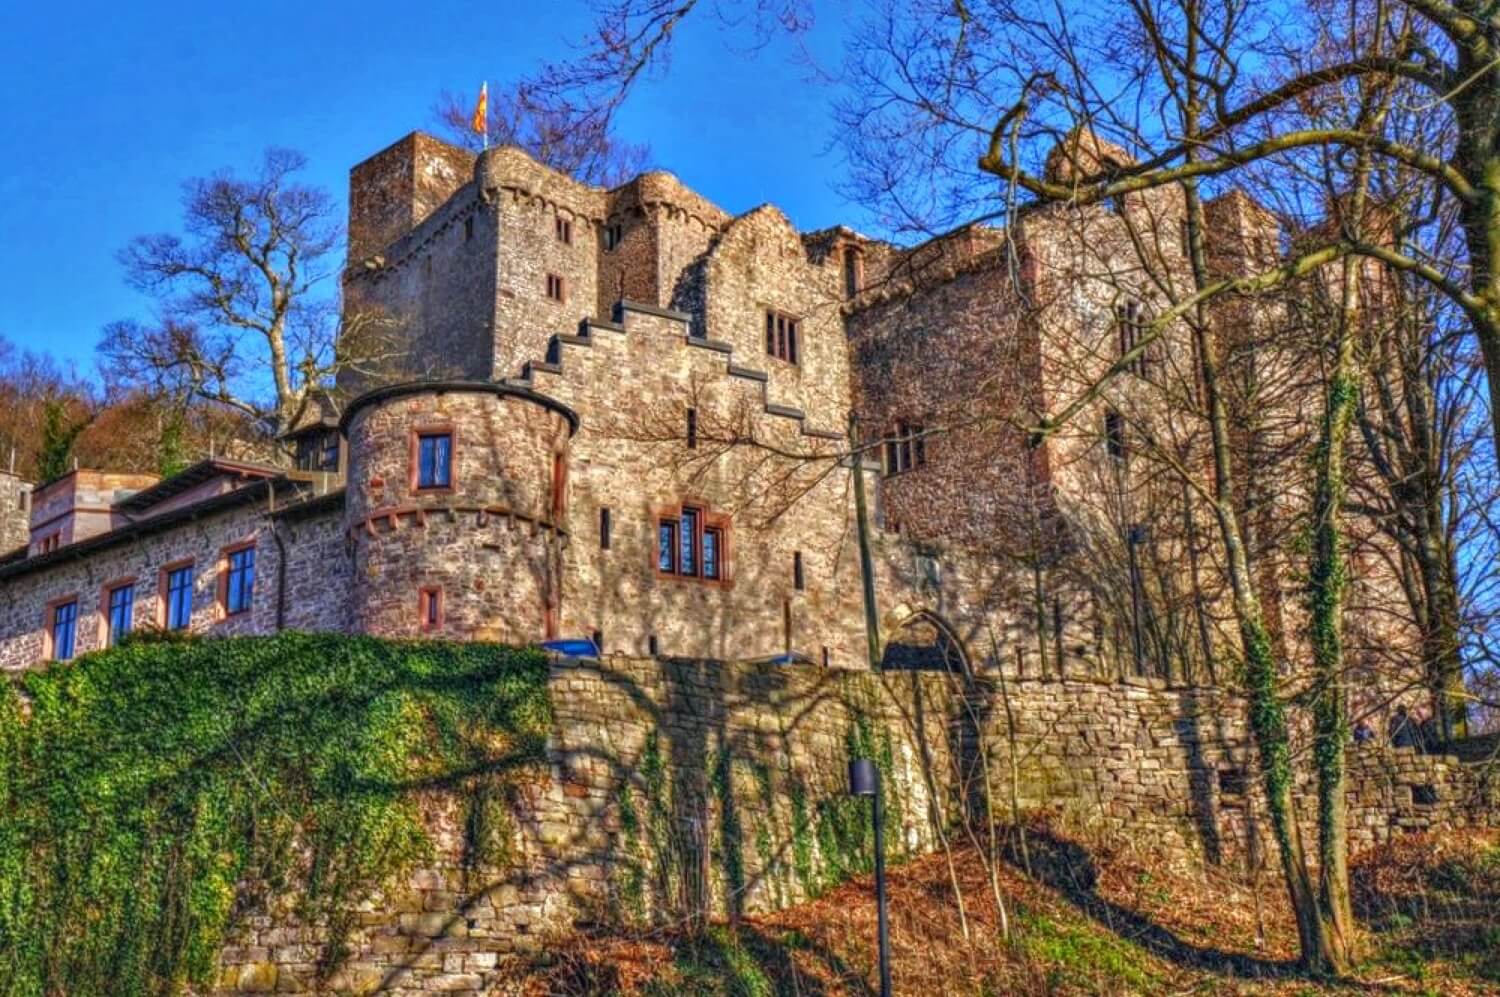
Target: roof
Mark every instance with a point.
(441, 387)
(191, 477)
(12, 566)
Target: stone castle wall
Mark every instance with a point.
(301, 561)
(674, 786)
(15, 512)
(488, 546)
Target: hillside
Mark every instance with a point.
(1114, 921)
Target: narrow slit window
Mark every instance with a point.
(692, 428)
(799, 580)
(468, 228)
(430, 608)
(604, 525)
(1114, 434)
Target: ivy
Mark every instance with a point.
(156, 793)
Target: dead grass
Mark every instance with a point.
(1102, 919)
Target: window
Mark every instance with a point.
(64, 628)
(1114, 434)
(690, 544)
(564, 229)
(713, 544)
(906, 448)
(825, 656)
(554, 287)
(853, 272)
(121, 607)
(559, 486)
(1131, 323)
(781, 336)
(177, 597)
(50, 542)
(318, 451)
(604, 528)
(614, 233)
(799, 582)
(434, 460)
(430, 608)
(692, 428)
(468, 228)
(239, 580)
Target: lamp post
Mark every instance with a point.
(864, 780)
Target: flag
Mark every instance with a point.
(481, 123)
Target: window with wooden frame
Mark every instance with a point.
(691, 543)
(236, 579)
(432, 459)
(564, 230)
(781, 336)
(554, 287)
(905, 448)
(119, 610)
(177, 595)
(62, 628)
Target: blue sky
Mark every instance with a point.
(110, 107)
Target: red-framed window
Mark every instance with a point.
(61, 635)
(236, 587)
(117, 606)
(432, 450)
(175, 595)
(692, 543)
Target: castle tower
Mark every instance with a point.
(15, 512)
(455, 508)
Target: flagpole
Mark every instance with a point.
(485, 89)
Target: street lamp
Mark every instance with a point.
(864, 780)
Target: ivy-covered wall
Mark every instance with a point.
(308, 814)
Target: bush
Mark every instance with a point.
(154, 793)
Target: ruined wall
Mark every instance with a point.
(675, 786)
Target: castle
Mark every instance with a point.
(627, 416)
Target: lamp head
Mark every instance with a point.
(864, 777)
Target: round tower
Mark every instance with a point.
(456, 507)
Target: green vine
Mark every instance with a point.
(156, 793)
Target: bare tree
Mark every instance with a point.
(245, 322)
